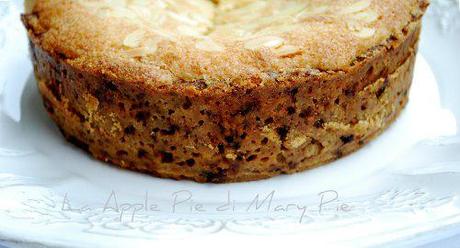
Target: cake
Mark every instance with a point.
(223, 91)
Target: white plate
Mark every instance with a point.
(402, 189)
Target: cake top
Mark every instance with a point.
(231, 42)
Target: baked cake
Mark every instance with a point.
(223, 91)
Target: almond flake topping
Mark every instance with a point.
(265, 41)
(287, 51)
(255, 24)
(365, 32)
(356, 7)
(209, 46)
(134, 39)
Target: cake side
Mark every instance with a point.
(244, 134)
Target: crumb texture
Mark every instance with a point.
(223, 91)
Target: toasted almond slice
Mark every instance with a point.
(141, 51)
(122, 12)
(209, 46)
(311, 12)
(366, 16)
(188, 31)
(182, 18)
(137, 52)
(365, 33)
(264, 41)
(279, 29)
(151, 44)
(354, 25)
(356, 7)
(134, 39)
(287, 51)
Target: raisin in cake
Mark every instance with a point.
(223, 91)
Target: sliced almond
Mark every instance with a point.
(188, 31)
(137, 52)
(255, 24)
(356, 7)
(209, 46)
(264, 41)
(354, 25)
(141, 51)
(134, 39)
(141, 11)
(287, 51)
(312, 12)
(366, 16)
(365, 33)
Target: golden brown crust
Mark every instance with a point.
(88, 41)
(269, 123)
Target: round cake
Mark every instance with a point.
(223, 91)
